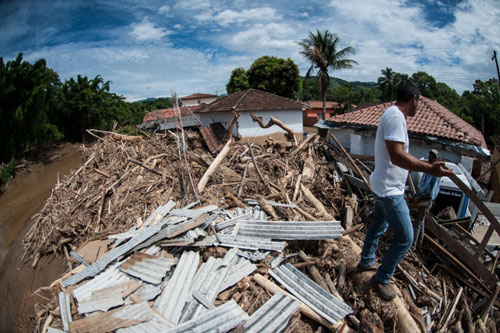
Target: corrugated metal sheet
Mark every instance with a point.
(109, 321)
(80, 259)
(54, 330)
(289, 230)
(236, 273)
(146, 292)
(231, 222)
(107, 298)
(221, 319)
(193, 213)
(147, 267)
(101, 264)
(109, 277)
(65, 310)
(273, 316)
(101, 304)
(157, 324)
(173, 230)
(327, 305)
(161, 211)
(254, 256)
(206, 285)
(242, 242)
(177, 292)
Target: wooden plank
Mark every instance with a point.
(462, 253)
(494, 224)
(355, 166)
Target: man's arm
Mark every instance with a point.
(409, 162)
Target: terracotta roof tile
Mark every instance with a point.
(319, 104)
(253, 100)
(169, 113)
(197, 96)
(431, 119)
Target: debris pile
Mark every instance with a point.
(161, 236)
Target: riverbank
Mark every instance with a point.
(20, 200)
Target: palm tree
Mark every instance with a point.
(321, 49)
(386, 83)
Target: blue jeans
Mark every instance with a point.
(391, 211)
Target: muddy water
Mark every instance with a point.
(27, 194)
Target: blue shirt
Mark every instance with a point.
(429, 185)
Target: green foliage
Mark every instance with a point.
(426, 84)
(8, 172)
(28, 102)
(323, 51)
(275, 75)
(238, 81)
(483, 106)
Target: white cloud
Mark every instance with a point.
(229, 16)
(164, 9)
(147, 31)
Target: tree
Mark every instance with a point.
(387, 84)
(345, 96)
(28, 100)
(322, 50)
(275, 75)
(426, 84)
(88, 104)
(238, 80)
(483, 105)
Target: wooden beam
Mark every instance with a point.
(430, 225)
(355, 166)
(494, 224)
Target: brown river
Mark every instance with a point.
(27, 194)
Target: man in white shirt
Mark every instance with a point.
(392, 163)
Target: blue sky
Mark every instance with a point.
(154, 48)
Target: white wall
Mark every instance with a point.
(246, 127)
(197, 101)
(365, 145)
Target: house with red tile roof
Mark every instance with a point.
(315, 112)
(432, 127)
(262, 104)
(198, 98)
(165, 119)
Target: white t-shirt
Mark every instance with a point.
(389, 179)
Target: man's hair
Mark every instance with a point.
(406, 90)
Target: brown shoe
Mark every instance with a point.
(383, 290)
(360, 269)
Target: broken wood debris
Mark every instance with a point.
(138, 214)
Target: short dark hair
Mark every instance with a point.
(406, 90)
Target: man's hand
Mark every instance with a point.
(439, 169)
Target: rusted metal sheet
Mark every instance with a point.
(177, 291)
(126, 316)
(273, 316)
(146, 292)
(289, 230)
(309, 292)
(221, 319)
(111, 276)
(146, 267)
(107, 298)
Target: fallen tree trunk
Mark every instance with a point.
(274, 121)
(211, 169)
(316, 203)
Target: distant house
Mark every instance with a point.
(433, 126)
(197, 99)
(165, 119)
(315, 112)
(264, 105)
